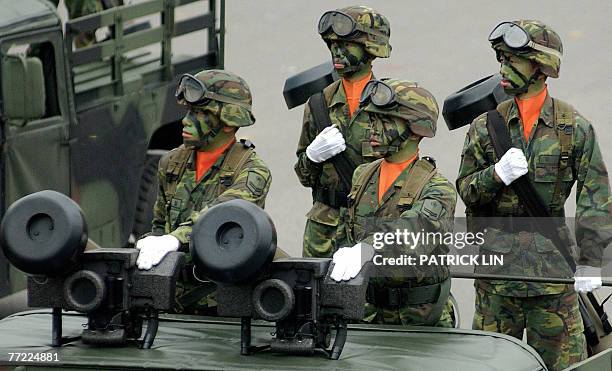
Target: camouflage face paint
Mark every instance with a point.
(348, 57)
(387, 134)
(200, 126)
(519, 73)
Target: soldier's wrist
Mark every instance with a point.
(496, 177)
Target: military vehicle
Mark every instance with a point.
(45, 232)
(92, 122)
(189, 342)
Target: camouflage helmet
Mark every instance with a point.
(416, 105)
(229, 85)
(376, 43)
(546, 52)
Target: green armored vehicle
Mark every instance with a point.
(305, 311)
(92, 122)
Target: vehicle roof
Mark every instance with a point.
(17, 15)
(188, 342)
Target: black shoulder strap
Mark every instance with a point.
(500, 138)
(343, 165)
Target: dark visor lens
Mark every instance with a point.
(516, 37)
(499, 31)
(324, 22)
(193, 92)
(382, 95)
(342, 24)
(367, 90)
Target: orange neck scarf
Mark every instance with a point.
(206, 159)
(389, 172)
(529, 110)
(353, 90)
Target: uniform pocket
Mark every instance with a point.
(547, 169)
(497, 241)
(323, 214)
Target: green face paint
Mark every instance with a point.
(518, 73)
(387, 134)
(348, 57)
(200, 126)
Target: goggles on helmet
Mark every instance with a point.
(193, 91)
(383, 96)
(343, 24)
(515, 37)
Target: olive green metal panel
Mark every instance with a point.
(196, 343)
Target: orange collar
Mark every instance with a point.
(529, 110)
(353, 90)
(389, 171)
(206, 159)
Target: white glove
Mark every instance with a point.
(348, 261)
(511, 166)
(587, 278)
(326, 145)
(154, 248)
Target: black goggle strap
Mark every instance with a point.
(329, 21)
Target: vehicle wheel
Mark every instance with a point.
(147, 194)
(44, 233)
(233, 241)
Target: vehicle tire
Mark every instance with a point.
(233, 241)
(147, 194)
(44, 233)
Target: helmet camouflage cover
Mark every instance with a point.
(540, 34)
(418, 107)
(232, 86)
(367, 17)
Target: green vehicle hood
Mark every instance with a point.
(194, 343)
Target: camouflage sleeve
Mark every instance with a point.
(476, 181)
(251, 184)
(593, 199)
(307, 171)
(344, 237)
(159, 210)
(433, 211)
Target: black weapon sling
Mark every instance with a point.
(343, 165)
(524, 189)
(535, 207)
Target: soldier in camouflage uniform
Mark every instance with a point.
(79, 8)
(399, 191)
(219, 103)
(555, 149)
(365, 36)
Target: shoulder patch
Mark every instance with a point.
(256, 183)
(432, 208)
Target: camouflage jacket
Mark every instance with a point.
(191, 198)
(355, 130)
(431, 210)
(530, 253)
